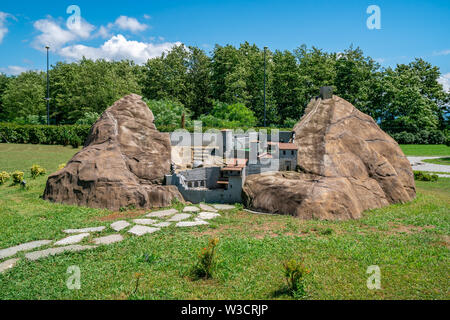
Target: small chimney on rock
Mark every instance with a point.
(326, 93)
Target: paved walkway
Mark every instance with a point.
(418, 165)
(134, 227)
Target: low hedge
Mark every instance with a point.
(43, 134)
(421, 137)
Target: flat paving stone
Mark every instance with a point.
(72, 239)
(8, 264)
(119, 225)
(145, 221)
(108, 239)
(223, 206)
(207, 208)
(141, 230)
(197, 222)
(208, 215)
(54, 251)
(5, 253)
(191, 209)
(162, 213)
(162, 224)
(180, 217)
(93, 229)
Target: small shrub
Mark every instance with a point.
(61, 166)
(207, 260)
(37, 170)
(4, 176)
(75, 141)
(326, 232)
(423, 176)
(17, 177)
(295, 272)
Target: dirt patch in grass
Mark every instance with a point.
(408, 229)
(122, 215)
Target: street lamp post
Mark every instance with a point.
(265, 50)
(48, 91)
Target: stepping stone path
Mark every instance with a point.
(162, 224)
(162, 214)
(208, 215)
(109, 239)
(119, 225)
(191, 209)
(8, 264)
(54, 251)
(72, 239)
(141, 230)
(179, 217)
(68, 244)
(95, 229)
(197, 222)
(207, 208)
(145, 221)
(5, 253)
(223, 206)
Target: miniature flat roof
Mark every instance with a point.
(288, 146)
(232, 168)
(237, 162)
(222, 182)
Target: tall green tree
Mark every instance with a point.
(90, 86)
(4, 79)
(25, 96)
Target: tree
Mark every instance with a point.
(25, 95)
(4, 79)
(199, 96)
(90, 86)
(286, 86)
(168, 112)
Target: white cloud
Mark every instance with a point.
(3, 28)
(445, 81)
(117, 48)
(56, 36)
(13, 70)
(442, 53)
(129, 24)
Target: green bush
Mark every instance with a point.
(421, 137)
(36, 171)
(207, 260)
(423, 176)
(17, 177)
(43, 134)
(169, 113)
(295, 272)
(229, 116)
(4, 176)
(88, 118)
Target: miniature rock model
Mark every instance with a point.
(346, 165)
(123, 163)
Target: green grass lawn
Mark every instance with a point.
(444, 161)
(410, 244)
(425, 150)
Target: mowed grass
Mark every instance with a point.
(444, 161)
(409, 242)
(425, 150)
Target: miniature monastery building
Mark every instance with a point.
(214, 166)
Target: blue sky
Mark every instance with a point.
(143, 29)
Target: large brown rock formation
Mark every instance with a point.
(122, 164)
(346, 164)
